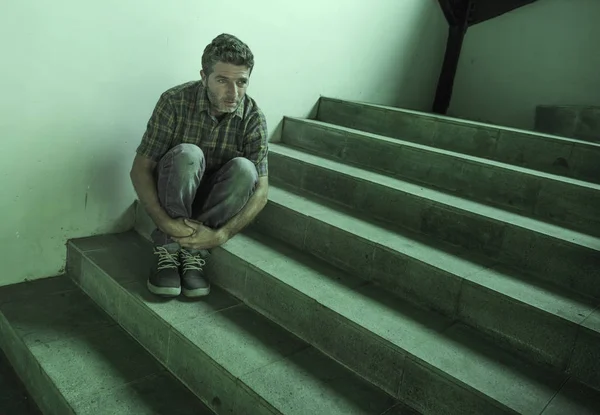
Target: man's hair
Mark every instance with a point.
(226, 48)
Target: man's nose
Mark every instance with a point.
(232, 91)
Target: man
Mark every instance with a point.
(201, 168)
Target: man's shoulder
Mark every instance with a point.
(252, 110)
(184, 91)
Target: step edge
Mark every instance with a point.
(469, 276)
(570, 237)
(396, 142)
(461, 121)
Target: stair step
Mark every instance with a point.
(540, 320)
(74, 359)
(231, 357)
(430, 362)
(498, 234)
(549, 197)
(558, 155)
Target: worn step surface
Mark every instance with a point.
(234, 359)
(545, 323)
(74, 359)
(558, 255)
(552, 154)
(557, 199)
(430, 362)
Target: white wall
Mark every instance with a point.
(78, 81)
(545, 53)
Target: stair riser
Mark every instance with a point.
(183, 359)
(380, 363)
(568, 265)
(565, 204)
(533, 334)
(562, 157)
(585, 364)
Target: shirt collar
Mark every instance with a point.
(204, 104)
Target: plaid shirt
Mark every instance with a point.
(182, 116)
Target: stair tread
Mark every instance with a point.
(450, 347)
(497, 277)
(78, 344)
(285, 371)
(436, 196)
(466, 157)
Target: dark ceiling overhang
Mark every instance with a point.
(480, 10)
(461, 14)
(488, 9)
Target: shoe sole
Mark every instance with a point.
(198, 292)
(164, 291)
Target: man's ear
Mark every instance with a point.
(203, 77)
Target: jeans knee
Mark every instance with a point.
(188, 152)
(184, 161)
(187, 159)
(245, 172)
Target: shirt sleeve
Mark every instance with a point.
(256, 146)
(159, 131)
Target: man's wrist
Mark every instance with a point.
(160, 218)
(223, 235)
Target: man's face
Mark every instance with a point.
(226, 87)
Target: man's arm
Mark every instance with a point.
(256, 150)
(207, 238)
(145, 186)
(155, 143)
(255, 204)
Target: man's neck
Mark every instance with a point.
(219, 117)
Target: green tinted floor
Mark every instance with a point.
(14, 399)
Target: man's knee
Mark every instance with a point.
(244, 173)
(185, 152)
(183, 160)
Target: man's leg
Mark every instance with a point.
(220, 197)
(178, 176)
(228, 192)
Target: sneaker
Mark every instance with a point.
(192, 274)
(165, 281)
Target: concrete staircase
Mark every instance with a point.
(405, 263)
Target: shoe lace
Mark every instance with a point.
(192, 261)
(166, 260)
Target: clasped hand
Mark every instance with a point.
(197, 236)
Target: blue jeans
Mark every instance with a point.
(186, 190)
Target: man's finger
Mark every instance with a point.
(192, 223)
